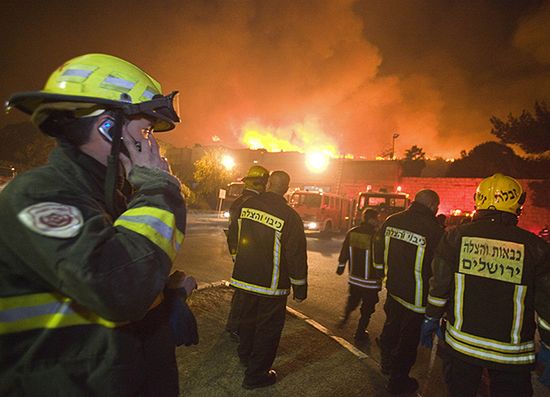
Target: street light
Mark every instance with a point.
(394, 137)
(228, 162)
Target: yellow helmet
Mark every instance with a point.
(257, 171)
(500, 192)
(99, 81)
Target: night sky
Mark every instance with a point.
(349, 73)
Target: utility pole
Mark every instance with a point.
(394, 137)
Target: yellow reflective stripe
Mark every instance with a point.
(29, 300)
(276, 260)
(418, 275)
(459, 300)
(295, 281)
(387, 240)
(491, 344)
(258, 288)
(157, 225)
(417, 309)
(439, 302)
(543, 324)
(45, 310)
(519, 307)
(513, 358)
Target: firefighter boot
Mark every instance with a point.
(361, 334)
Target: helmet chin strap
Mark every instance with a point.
(111, 175)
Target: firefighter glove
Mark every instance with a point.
(340, 268)
(430, 326)
(543, 357)
(299, 292)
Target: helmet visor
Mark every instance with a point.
(163, 111)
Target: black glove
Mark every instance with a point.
(340, 269)
(182, 321)
(299, 292)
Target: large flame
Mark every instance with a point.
(300, 137)
(307, 137)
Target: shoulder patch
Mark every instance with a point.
(52, 219)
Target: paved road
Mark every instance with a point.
(205, 256)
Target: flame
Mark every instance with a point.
(306, 137)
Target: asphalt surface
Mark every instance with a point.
(315, 357)
(308, 363)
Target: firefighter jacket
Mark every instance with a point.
(271, 251)
(234, 212)
(404, 245)
(490, 277)
(357, 250)
(75, 280)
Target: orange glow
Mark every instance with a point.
(307, 137)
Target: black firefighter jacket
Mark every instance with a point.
(490, 277)
(271, 251)
(75, 280)
(234, 212)
(357, 250)
(404, 245)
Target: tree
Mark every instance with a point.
(530, 132)
(210, 175)
(414, 161)
(485, 160)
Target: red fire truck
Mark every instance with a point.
(321, 212)
(384, 202)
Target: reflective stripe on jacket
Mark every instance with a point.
(72, 304)
(491, 277)
(271, 251)
(357, 250)
(404, 245)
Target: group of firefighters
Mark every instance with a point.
(482, 287)
(87, 297)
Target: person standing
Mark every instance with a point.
(365, 280)
(404, 245)
(88, 240)
(254, 184)
(492, 280)
(271, 259)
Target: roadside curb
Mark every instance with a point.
(341, 341)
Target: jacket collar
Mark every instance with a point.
(502, 217)
(422, 209)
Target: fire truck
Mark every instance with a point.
(233, 190)
(384, 202)
(320, 211)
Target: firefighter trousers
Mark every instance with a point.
(260, 327)
(234, 312)
(368, 297)
(463, 379)
(399, 338)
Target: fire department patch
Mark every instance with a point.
(52, 219)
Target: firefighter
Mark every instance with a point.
(365, 280)
(254, 184)
(88, 240)
(492, 280)
(404, 245)
(271, 259)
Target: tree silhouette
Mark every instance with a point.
(485, 160)
(414, 161)
(530, 131)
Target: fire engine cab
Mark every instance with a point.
(320, 211)
(384, 202)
